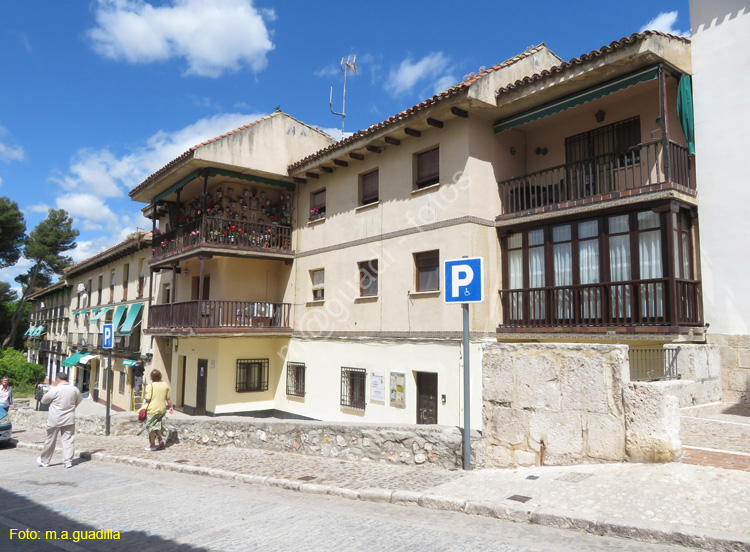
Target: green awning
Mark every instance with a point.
(95, 319)
(128, 362)
(576, 99)
(685, 110)
(127, 326)
(38, 331)
(73, 359)
(117, 316)
(28, 332)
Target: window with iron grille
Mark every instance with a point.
(368, 278)
(369, 187)
(353, 387)
(295, 379)
(427, 264)
(428, 168)
(609, 141)
(252, 375)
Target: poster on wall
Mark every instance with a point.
(398, 388)
(377, 386)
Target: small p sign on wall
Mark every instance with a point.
(464, 280)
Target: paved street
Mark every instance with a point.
(159, 510)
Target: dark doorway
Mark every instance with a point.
(427, 387)
(181, 361)
(200, 394)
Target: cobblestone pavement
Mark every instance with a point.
(264, 463)
(716, 435)
(159, 511)
(676, 503)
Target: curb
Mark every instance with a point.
(633, 529)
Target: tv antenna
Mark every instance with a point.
(348, 65)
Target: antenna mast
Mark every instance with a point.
(348, 64)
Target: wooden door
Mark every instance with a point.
(427, 387)
(200, 394)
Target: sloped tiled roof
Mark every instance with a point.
(189, 153)
(142, 237)
(587, 58)
(452, 91)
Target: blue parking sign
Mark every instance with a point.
(108, 336)
(464, 280)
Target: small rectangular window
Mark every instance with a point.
(353, 382)
(252, 375)
(112, 287)
(428, 270)
(368, 278)
(101, 284)
(369, 187)
(318, 284)
(428, 168)
(295, 379)
(318, 204)
(121, 386)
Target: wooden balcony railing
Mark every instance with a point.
(219, 315)
(641, 166)
(243, 235)
(633, 303)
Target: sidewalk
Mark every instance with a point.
(678, 503)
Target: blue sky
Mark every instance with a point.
(96, 95)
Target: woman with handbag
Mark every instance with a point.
(155, 403)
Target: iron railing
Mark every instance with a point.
(353, 381)
(640, 166)
(236, 234)
(653, 364)
(629, 303)
(220, 315)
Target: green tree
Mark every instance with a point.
(23, 375)
(45, 247)
(12, 232)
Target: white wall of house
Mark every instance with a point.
(721, 78)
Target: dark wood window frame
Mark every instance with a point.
(369, 187)
(295, 379)
(353, 384)
(125, 277)
(427, 261)
(674, 265)
(246, 383)
(427, 168)
(368, 278)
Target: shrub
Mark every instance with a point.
(23, 375)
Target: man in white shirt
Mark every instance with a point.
(6, 393)
(63, 399)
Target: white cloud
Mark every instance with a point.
(665, 22)
(431, 69)
(445, 82)
(8, 152)
(328, 71)
(333, 132)
(112, 176)
(39, 208)
(213, 37)
(1, 181)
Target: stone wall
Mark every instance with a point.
(558, 404)
(734, 351)
(699, 368)
(437, 446)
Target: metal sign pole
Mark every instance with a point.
(467, 393)
(109, 390)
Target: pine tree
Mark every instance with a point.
(45, 247)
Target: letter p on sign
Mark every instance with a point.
(464, 280)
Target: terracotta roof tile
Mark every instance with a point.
(143, 236)
(453, 90)
(585, 58)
